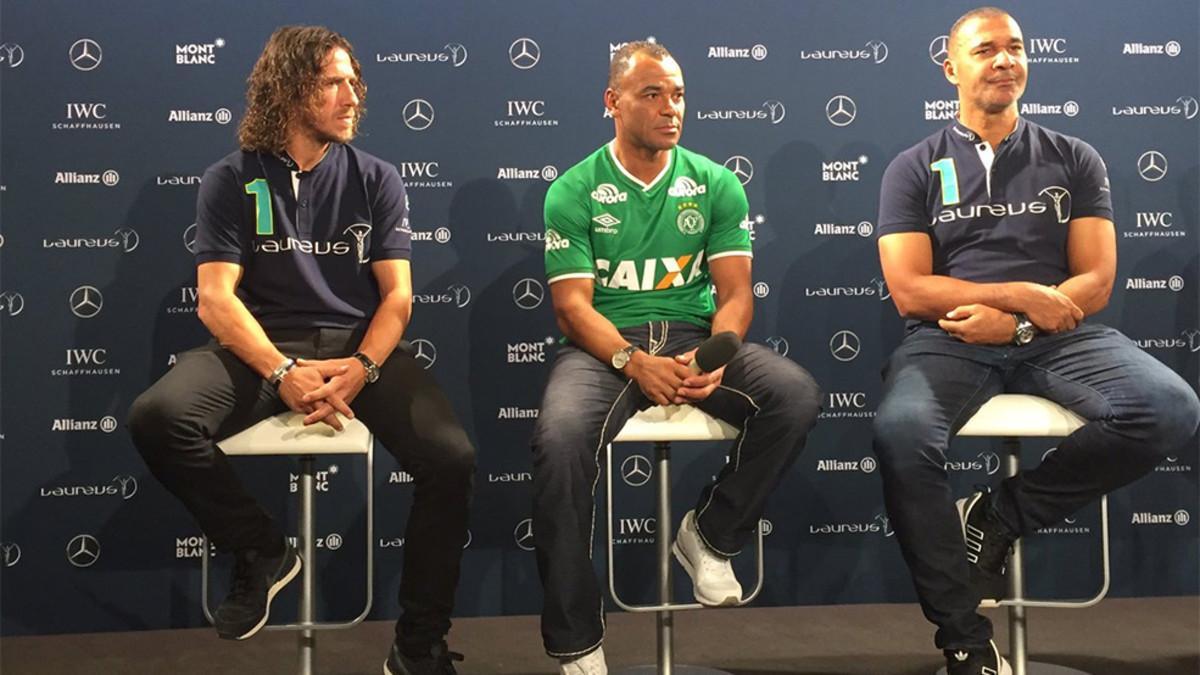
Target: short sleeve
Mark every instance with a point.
(389, 211)
(220, 211)
(902, 196)
(1090, 193)
(727, 235)
(568, 242)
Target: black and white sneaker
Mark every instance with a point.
(255, 581)
(988, 544)
(439, 662)
(986, 661)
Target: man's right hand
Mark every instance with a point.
(1050, 310)
(301, 380)
(658, 377)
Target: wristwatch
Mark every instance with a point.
(369, 365)
(620, 358)
(1025, 330)
(277, 375)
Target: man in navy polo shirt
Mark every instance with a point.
(997, 241)
(302, 254)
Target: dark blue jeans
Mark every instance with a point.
(1138, 412)
(771, 399)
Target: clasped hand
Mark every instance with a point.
(320, 389)
(666, 380)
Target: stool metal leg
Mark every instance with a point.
(1016, 575)
(308, 638)
(662, 459)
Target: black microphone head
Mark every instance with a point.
(717, 350)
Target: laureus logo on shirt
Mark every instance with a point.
(650, 274)
(359, 233)
(1057, 198)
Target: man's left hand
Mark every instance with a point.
(696, 387)
(980, 325)
(346, 377)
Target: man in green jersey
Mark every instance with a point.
(638, 234)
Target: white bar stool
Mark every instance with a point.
(285, 434)
(1011, 416)
(662, 425)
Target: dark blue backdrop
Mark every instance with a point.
(111, 111)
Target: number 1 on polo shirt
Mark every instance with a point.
(264, 216)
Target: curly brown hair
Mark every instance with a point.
(285, 81)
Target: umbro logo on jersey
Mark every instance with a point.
(607, 223)
(686, 187)
(607, 193)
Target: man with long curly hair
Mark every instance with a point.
(302, 252)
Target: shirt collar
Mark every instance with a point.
(964, 134)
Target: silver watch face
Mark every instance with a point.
(1024, 334)
(620, 358)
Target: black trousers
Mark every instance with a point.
(210, 393)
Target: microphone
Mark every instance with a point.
(715, 352)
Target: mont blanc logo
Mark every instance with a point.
(523, 534)
(11, 553)
(874, 51)
(453, 53)
(771, 111)
(686, 186)
(83, 550)
(361, 232)
(86, 301)
(528, 352)
(528, 293)
(1186, 107)
(11, 303)
(524, 53)
(424, 352)
(941, 109)
(198, 53)
(845, 345)
(456, 295)
(741, 167)
(85, 54)
(607, 193)
(1170, 48)
(840, 171)
(418, 114)
(1173, 283)
(758, 52)
(939, 49)
(841, 110)
(636, 470)
(1152, 166)
(187, 116)
(11, 55)
(778, 344)
(189, 238)
(1060, 199)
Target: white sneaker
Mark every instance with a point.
(591, 663)
(713, 582)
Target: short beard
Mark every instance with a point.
(310, 127)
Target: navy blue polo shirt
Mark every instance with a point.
(305, 240)
(995, 217)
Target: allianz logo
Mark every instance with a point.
(1173, 283)
(607, 193)
(332, 541)
(1069, 108)
(458, 295)
(441, 235)
(176, 180)
(107, 424)
(1185, 106)
(1171, 49)
(865, 465)
(1181, 517)
(108, 178)
(516, 413)
(220, 116)
(757, 52)
(510, 477)
(124, 486)
(686, 187)
(879, 525)
(863, 229)
(547, 173)
(988, 462)
(400, 478)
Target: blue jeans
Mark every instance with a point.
(771, 399)
(1138, 412)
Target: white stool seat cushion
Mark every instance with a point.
(285, 434)
(1021, 415)
(675, 423)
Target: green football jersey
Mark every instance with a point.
(646, 247)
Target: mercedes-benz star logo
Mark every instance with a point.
(741, 167)
(844, 345)
(528, 293)
(841, 110)
(86, 302)
(1152, 166)
(189, 238)
(939, 49)
(11, 54)
(12, 553)
(83, 550)
(418, 114)
(524, 53)
(523, 534)
(424, 352)
(636, 470)
(778, 343)
(86, 54)
(458, 53)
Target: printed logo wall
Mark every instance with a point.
(805, 103)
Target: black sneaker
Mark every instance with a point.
(439, 662)
(988, 544)
(986, 661)
(256, 579)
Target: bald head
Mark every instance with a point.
(622, 59)
(977, 13)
